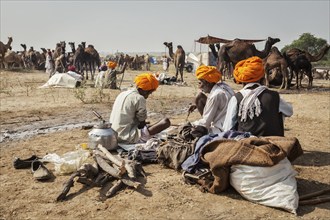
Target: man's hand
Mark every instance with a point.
(191, 108)
(142, 124)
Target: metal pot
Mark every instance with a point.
(103, 134)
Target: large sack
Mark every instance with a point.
(274, 186)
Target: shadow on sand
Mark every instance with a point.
(309, 186)
(313, 158)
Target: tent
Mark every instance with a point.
(64, 80)
(215, 40)
(207, 58)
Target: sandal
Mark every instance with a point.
(23, 164)
(40, 172)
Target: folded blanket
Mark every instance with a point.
(253, 151)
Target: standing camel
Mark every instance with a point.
(276, 60)
(86, 59)
(299, 61)
(238, 50)
(227, 68)
(70, 58)
(4, 48)
(59, 57)
(94, 59)
(179, 58)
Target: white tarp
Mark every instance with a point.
(201, 58)
(66, 80)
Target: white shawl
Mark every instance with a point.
(250, 104)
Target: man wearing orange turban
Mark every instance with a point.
(129, 112)
(112, 64)
(255, 108)
(212, 107)
(111, 74)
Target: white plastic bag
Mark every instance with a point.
(274, 186)
(69, 162)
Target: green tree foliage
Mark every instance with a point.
(308, 42)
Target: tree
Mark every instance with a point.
(308, 42)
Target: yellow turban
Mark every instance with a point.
(112, 64)
(146, 81)
(208, 73)
(249, 70)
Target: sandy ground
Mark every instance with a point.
(27, 110)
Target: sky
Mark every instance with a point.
(143, 26)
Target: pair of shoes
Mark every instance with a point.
(40, 172)
(23, 164)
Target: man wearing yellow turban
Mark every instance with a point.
(129, 112)
(214, 106)
(255, 108)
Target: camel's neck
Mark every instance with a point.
(262, 54)
(9, 42)
(318, 56)
(170, 51)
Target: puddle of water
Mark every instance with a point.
(17, 135)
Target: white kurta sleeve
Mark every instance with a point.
(211, 109)
(285, 108)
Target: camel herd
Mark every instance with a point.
(293, 62)
(85, 59)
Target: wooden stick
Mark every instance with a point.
(314, 201)
(86, 181)
(88, 170)
(113, 190)
(314, 194)
(130, 182)
(102, 178)
(115, 173)
(111, 157)
(67, 187)
(106, 167)
(129, 165)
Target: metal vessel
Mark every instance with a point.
(103, 134)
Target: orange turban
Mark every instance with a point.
(208, 73)
(146, 81)
(249, 70)
(112, 64)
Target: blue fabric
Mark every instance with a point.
(193, 161)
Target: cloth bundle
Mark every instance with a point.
(263, 152)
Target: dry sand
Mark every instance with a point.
(24, 107)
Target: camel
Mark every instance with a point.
(70, 58)
(238, 50)
(213, 50)
(12, 58)
(299, 66)
(86, 57)
(276, 60)
(4, 48)
(94, 59)
(59, 57)
(179, 58)
(227, 68)
(27, 62)
(78, 58)
(38, 59)
(299, 61)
